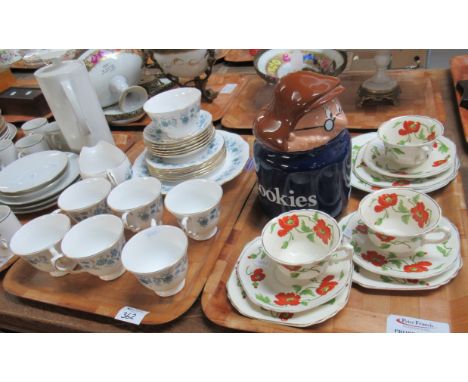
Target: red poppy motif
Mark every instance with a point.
(384, 238)
(322, 231)
(362, 228)
(385, 201)
(431, 136)
(374, 258)
(401, 182)
(419, 214)
(435, 145)
(438, 163)
(292, 268)
(285, 316)
(287, 299)
(417, 267)
(375, 188)
(257, 275)
(409, 127)
(326, 285)
(287, 223)
(412, 281)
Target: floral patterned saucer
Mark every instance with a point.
(367, 180)
(440, 159)
(268, 288)
(244, 306)
(237, 155)
(429, 261)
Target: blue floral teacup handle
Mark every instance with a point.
(133, 227)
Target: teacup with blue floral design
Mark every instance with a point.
(84, 199)
(94, 246)
(38, 242)
(157, 256)
(196, 205)
(138, 202)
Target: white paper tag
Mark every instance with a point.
(403, 324)
(228, 88)
(131, 315)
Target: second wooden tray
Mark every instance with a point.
(87, 293)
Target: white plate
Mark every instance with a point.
(10, 132)
(69, 176)
(371, 280)
(32, 171)
(268, 288)
(359, 141)
(237, 155)
(244, 306)
(374, 157)
(429, 261)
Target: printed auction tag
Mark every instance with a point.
(402, 324)
(131, 315)
(228, 88)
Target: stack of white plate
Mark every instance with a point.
(371, 171)
(34, 182)
(7, 130)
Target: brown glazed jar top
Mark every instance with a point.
(303, 104)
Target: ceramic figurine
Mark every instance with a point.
(302, 150)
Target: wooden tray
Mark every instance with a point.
(459, 69)
(238, 55)
(8, 263)
(420, 94)
(366, 310)
(87, 293)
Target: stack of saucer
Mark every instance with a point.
(7, 130)
(401, 241)
(34, 182)
(406, 152)
(296, 273)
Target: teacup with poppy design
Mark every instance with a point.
(304, 242)
(409, 139)
(402, 220)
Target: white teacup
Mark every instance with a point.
(94, 246)
(32, 143)
(157, 256)
(9, 225)
(196, 205)
(139, 202)
(34, 126)
(8, 153)
(175, 111)
(402, 220)
(38, 241)
(105, 160)
(409, 139)
(85, 198)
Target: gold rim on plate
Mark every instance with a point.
(181, 143)
(175, 141)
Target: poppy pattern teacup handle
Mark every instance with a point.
(447, 234)
(342, 253)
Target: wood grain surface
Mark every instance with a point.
(367, 310)
(420, 94)
(459, 69)
(238, 55)
(87, 293)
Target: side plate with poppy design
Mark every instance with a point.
(270, 289)
(429, 261)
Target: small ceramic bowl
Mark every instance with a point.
(400, 220)
(35, 125)
(302, 242)
(157, 256)
(175, 111)
(409, 139)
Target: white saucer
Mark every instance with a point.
(237, 155)
(244, 306)
(375, 158)
(270, 289)
(429, 261)
(10, 132)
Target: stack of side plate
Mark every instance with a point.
(7, 130)
(34, 182)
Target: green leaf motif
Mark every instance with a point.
(285, 245)
(385, 246)
(252, 256)
(386, 279)
(308, 292)
(443, 148)
(415, 199)
(442, 250)
(392, 255)
(294, 275)
(379, 221)
(304, 227)
(311, 237)
(341, 275)
(420, 254)
(272, 228)
(402, 208)
(262, 298)
(297, 288)
(405, 218)
(332, 301)
(305, 303)
(397, 151)
(396, 262)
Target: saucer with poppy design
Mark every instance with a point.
(273, 290)
(428, 261)
(441, 159)
(244, 306)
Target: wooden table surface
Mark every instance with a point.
(28, 316)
